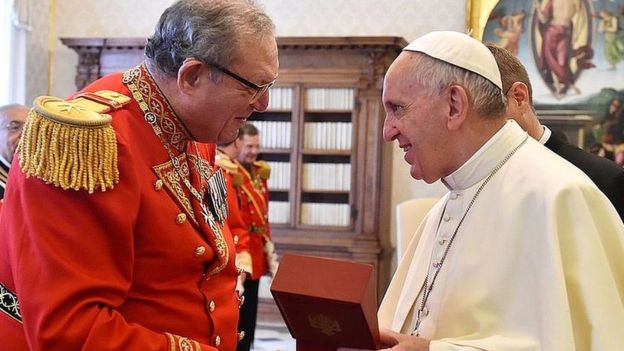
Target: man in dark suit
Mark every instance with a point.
(607, 175)
(12, 119)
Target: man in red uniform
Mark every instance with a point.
(254, 207)
(113, 227)
(226, 159)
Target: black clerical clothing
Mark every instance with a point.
(606, 174)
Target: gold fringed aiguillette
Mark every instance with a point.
(264, 170)
(65, 144)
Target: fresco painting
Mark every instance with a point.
(574, 53)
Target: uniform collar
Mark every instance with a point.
(481, 164)
(173, 130)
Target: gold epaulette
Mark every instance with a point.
(72, 144)
(264, 169)
(231, 168)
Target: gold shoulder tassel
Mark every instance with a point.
(264, 170)
(69, 146)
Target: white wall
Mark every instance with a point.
(122, 18)
(37, 51)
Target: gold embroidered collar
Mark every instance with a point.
(173, 131)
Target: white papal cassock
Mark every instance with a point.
(538, 263)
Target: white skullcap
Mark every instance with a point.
(460, 50)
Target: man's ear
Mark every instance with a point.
(518, 93)
(458, 107)
(189, 75)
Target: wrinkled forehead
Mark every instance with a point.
(400, 76)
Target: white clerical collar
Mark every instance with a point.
(545, 136)
(5, 162)
(486, 158)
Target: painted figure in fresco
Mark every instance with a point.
(564, 29)
(511, 27)
(609, 26)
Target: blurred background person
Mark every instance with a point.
(608, 176)
(254, 200)
(12, 119)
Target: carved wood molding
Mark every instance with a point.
(378, 51)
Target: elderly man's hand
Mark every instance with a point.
(392, 341)
(401, 342)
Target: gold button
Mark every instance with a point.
(181, 218)
(241, 335)
(158, 184)
(217, 340)
(211, 306)
(200, 250)
(235, 239)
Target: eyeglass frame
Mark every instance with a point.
(260, 90)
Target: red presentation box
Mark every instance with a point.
(327, 303)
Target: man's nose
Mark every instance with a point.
(389, 130)
(263, 102)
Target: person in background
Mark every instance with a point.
(113, 229)
(254, 199)
(524, 252)
(607, 175)
(227, 160)
(12, 119)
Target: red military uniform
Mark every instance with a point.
(254, 200)
(135, 267)
(253, 197)
(235, 221)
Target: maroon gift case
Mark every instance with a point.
(327, 303)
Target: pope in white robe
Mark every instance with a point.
(537, 264)
(524, 252)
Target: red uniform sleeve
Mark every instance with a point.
(237, 226)
(71, 255)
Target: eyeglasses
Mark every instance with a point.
(259, 90)
(14, 126)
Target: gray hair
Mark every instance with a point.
(486, 98)
(208, 30)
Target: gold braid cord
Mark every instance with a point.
(69, 146)
(180, 343)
